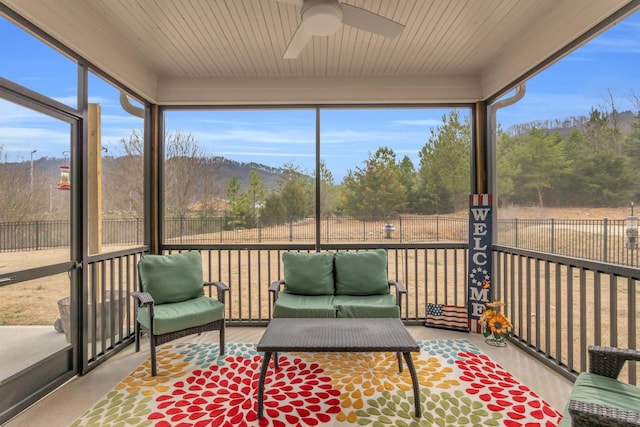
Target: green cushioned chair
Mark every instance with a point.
(172, 303)
(598, 398)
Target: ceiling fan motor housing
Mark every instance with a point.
(321, 17)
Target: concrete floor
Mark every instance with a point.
(31, 343)
(68, 402)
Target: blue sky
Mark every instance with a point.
(569, 88)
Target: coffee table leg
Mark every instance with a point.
(263, 374)
(416, 385)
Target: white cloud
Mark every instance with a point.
(373, 137)
(426, 122)
(548, 106)
(263, 154)
(12, 113)
(263, 136)
(68, 100)
(16, 142)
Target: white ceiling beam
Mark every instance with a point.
(320, 90)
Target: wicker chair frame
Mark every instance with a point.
(608, 362)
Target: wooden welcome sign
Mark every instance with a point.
(479, 278)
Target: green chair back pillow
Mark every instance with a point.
(361, 273)
(308, 273)
(172, 278)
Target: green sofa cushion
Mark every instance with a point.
(172, 278)
(172, 317)
(366, 306)
(361, 273)
(603, 390)
(291, 305)
(308, 274)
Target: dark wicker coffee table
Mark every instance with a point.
(337, 335)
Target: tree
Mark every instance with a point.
(18, 200)
(328, 191)
(444, 174)
(604, 180)
(632, 148)
(613, 116)
(256, 193)
(407, 177)
(374, 190)
(292, 198)
(238, 206)
(534, 162)
(188, 179)
(124, 164)
(600, 134)
(296, 192)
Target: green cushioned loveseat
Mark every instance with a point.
(336, 284)
(598, 398)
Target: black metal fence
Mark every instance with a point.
(406, 229)
(36, 235)
(603, 240)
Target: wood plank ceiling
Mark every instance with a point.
(231, 51)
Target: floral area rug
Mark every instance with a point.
(196, 386)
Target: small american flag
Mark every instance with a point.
(447, 317)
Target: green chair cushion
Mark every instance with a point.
(366, 306)
(361, 273)
(172, 278)
(291, 305)
(172, 317)
(308, 273)
(607, 391)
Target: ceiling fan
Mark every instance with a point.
(324, 17)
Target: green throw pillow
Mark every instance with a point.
(308, 274)
(361, 273)
(172, 278)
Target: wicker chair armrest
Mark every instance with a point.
(274, 288)
(400, 290)
(143, 298)
(608, 361)
(594, 414)
(221, 289)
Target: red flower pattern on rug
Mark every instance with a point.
(199, 387)
(227, 396)
(502, 393)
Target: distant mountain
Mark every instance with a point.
(225, 169)
(48, 170)
(564, 127)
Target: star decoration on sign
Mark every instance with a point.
(478, 276)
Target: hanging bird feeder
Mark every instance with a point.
(64, 183)
(65, 170)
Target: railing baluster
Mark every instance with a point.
(631, 326)
(558, 317)
(569, 309)
(597, 307)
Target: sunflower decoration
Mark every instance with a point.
(496, 327)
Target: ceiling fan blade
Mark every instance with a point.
(293, 2)
(298, 42)
(369, 21)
